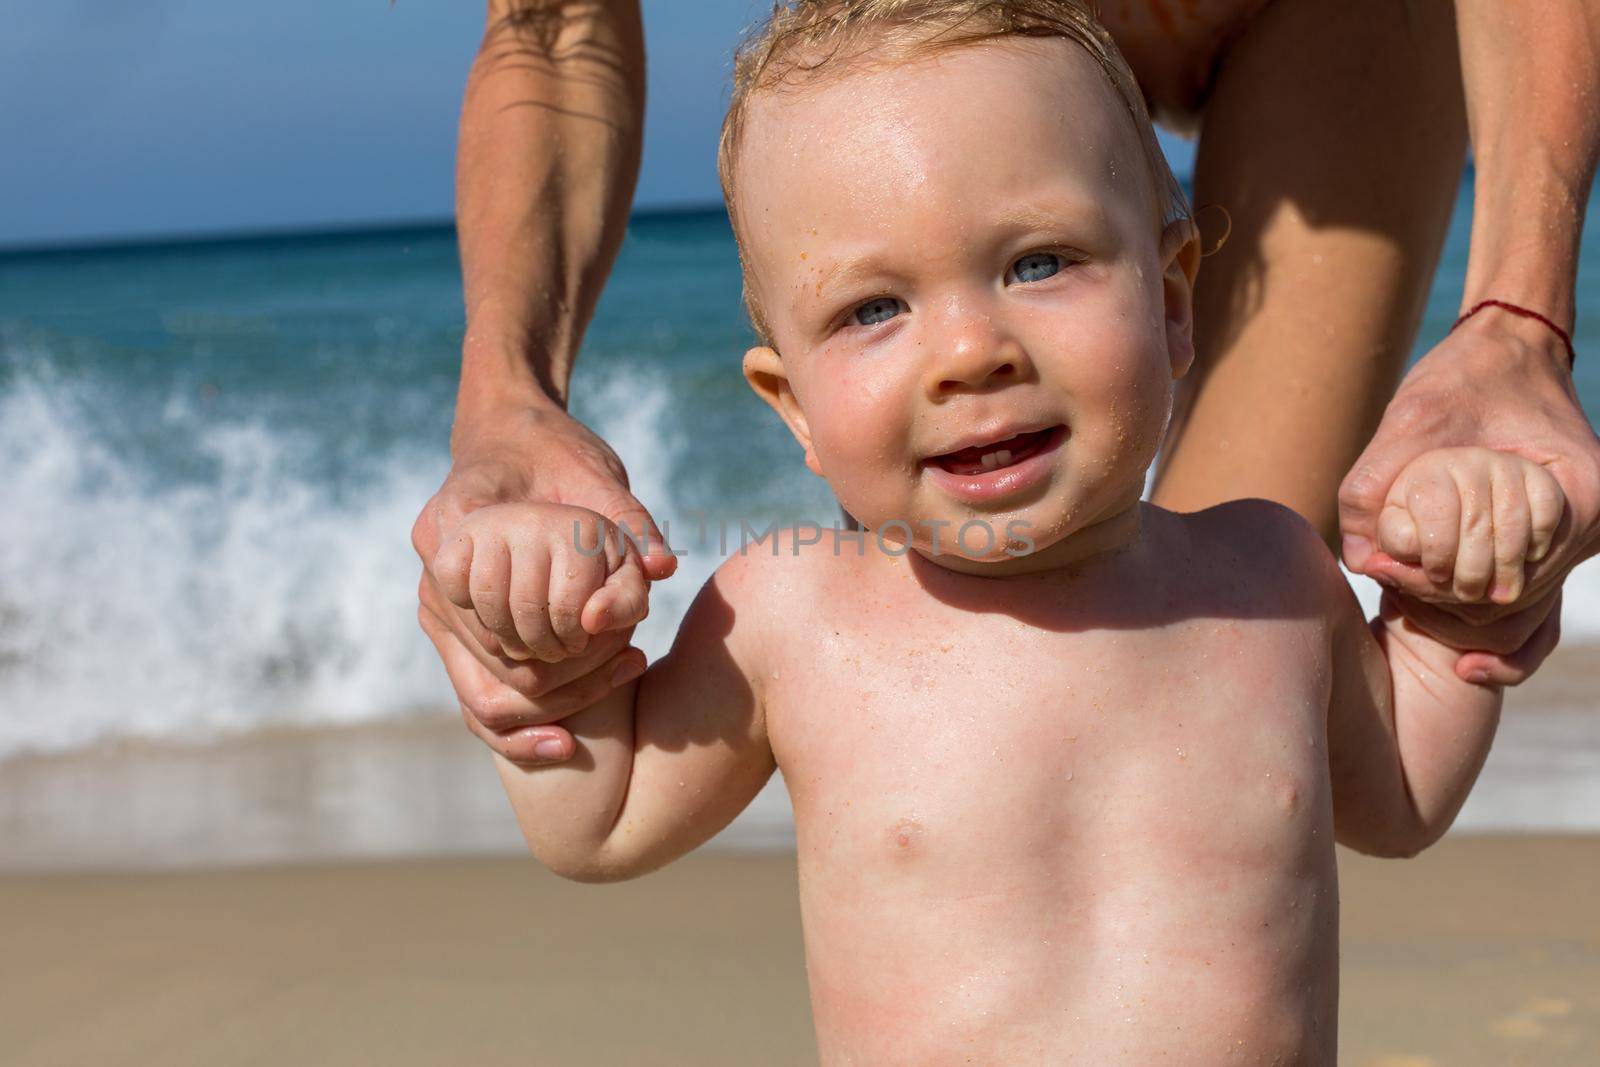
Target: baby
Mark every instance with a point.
(1067, 769)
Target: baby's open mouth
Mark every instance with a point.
(996, 455)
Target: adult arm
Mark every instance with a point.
(1532, 80)
(550, 139)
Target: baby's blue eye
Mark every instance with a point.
(1036, 266)
(873, 312)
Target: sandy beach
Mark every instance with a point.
(1484, 951)
(360, 895)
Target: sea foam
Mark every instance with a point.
(135, 606)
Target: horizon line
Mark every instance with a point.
(297, 232)
(372, 228)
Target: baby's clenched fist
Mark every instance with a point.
(542, 578)
(1473, 519)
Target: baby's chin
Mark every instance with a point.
(1053, 532)
(1019, 535)
(996, 559)
(968, 542)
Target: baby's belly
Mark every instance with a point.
(1076, 898)
(1173, 46)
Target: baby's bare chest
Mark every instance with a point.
(1197, 744)
(1021, 832)
(1036, 839)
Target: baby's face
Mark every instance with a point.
(979, 315)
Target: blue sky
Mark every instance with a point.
(181, 116)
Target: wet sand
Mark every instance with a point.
(1484, 951)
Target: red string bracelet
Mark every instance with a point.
(1527, 313)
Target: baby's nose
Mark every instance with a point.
(976, 356)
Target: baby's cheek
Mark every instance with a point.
(858, 423)
(859, 457)
(1136, 395)
(1148, 414)
(1121, 426)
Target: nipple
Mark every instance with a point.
(904, 836)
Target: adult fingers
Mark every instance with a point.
(442, 512)
(1514, 668)
(590, 688)
(1365, 489)
(496, 714)
(464, 622)
(451, 567)
(1406, 578)
(1498, 636)
(501, 710)
(536, 745)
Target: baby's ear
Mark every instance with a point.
(764, 370)
(1180, 262)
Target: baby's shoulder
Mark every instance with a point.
(784, 569)
(1263, 547)
(1253, 524)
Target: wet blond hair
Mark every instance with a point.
(803, 35)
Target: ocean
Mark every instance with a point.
(211, 453)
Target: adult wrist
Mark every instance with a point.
(1552, 295)
(1529, 324)
(1506, 343)
(492, 420)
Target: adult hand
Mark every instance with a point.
(1500, 382)
(510, 705)
(536, 453)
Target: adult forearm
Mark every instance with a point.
(1532, 80)
(550, 139)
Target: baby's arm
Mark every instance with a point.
(662, 762)
(1407, 737)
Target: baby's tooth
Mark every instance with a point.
(991, 460)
